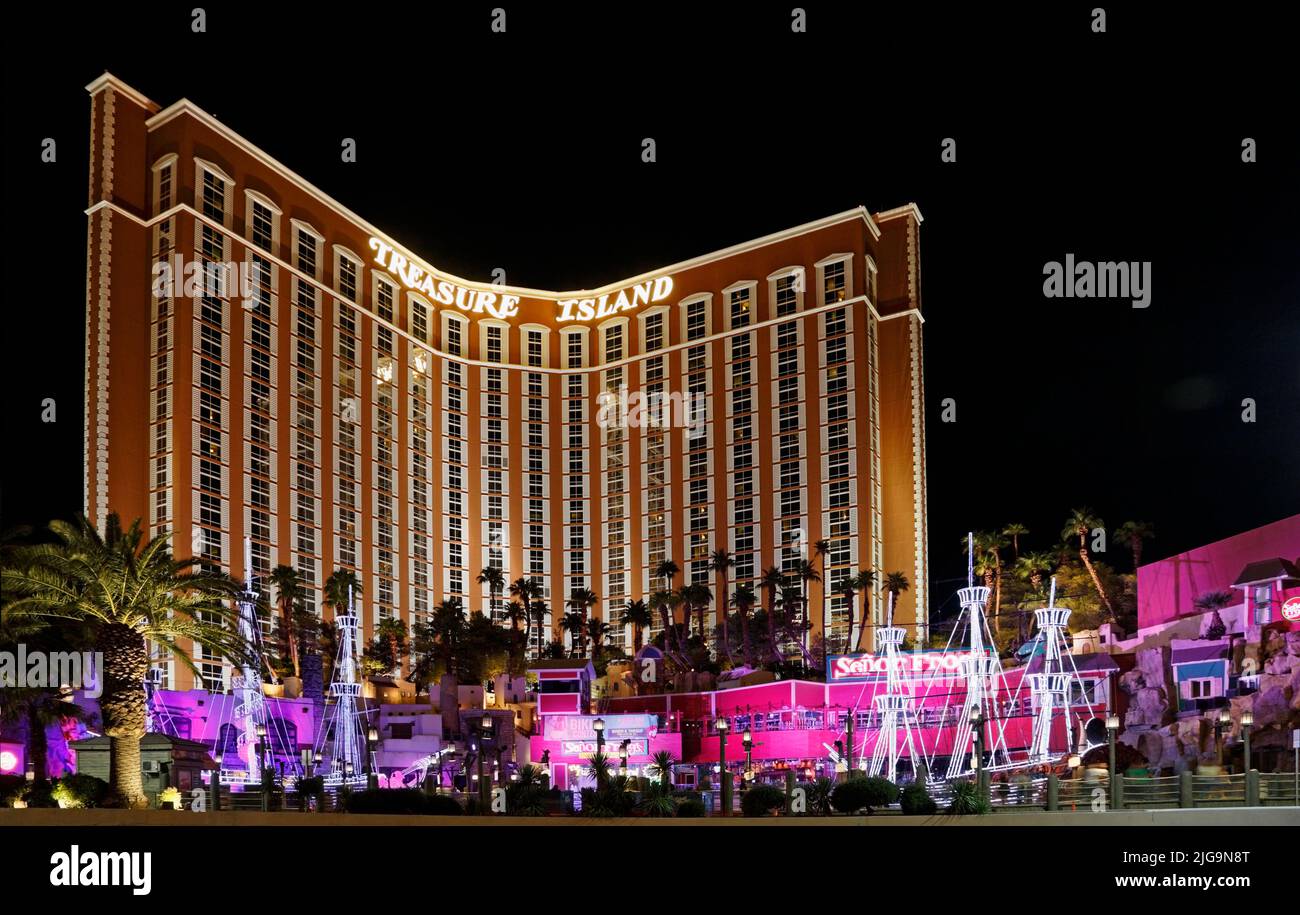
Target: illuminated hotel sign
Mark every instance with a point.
(504, 305)
(588, 748)
(872, 666)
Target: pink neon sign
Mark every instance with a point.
(8, 761)
(853, 666)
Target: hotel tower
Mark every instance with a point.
(263, 364)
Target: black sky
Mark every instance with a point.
(522, 151)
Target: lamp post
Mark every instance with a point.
(1224, 719)
(747, 741)
(977, 733)
(723, 774)
(1247, 721)
(484, 732)
(1112, 731)
(622, 753)
(599, 727)
(261, 767)
(372, 741)
(848, 743)
(216, 782)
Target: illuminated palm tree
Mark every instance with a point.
(771, 582)
(575, 624)
(1080, 522)
(1015, 530)
(129, 592)
(696, 598)
(852, 585)
(338, 587)
(744, 599)
(526, 590)
(807, 573)
(495, 579)
(821, 549)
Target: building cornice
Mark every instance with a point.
(107, 80)
(186, 107)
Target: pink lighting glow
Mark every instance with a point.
(8, 761)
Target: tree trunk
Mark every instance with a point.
(1087, 564)
(122, 707)
(747, 644)
(37, 749)
(286, 616)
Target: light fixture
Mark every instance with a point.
(217, 759)
(1112, 722)
(598, 725)
(1075, 761)
(747, 736)
(723, 726)
(1225, 717)
(318, 758)
(486, 723)
(975, 714)
(1247, 719)
(261, 731)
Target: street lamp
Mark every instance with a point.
(372, 741)
(260, 730)
(1112, 731)
(599, 727)
(1224, 719)
(622, 752)
(484, 732)
(1247, 721)
(723, 774)
(747, 741)
(977, 733)
(216, 782)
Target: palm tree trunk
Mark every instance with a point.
(1096, 583)
(746, 644)
(122, 707)
(37, 750)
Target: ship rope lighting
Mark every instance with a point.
(342, 724)
(898, 729)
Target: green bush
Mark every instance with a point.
(11, 786)
(690, 808)
(916, 801)
(39, 794)
(761, 800)
(863, 792)
(967, 799)
(819, 797)
(80, 791)
(656, 802)
(525, 799)
(402, 801)
(610, 801)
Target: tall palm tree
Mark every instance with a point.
(794, 629)
(495, 579)
(822, 548)
(772, 581)
(129, 591)
(1015, 530)
(721, 562)
(526, 590)
(667, 570)
(539, 609)
(582, 600)
(744, 599)
(393, 631)
(1133, 533)
(696, 598)
(991, 545)
(663, 767)
(1080, 522)
(448, 627)
(289, 594)
(636, 615)
(339, 587)
(666, 603)
(895, 584)
(575, 624)
(807, 573)
(1033, 567)
(598, 631)
(862, 582)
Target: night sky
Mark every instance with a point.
(522, 151)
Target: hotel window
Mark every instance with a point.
(305, 251)
(453, 334)
(740, 302)
(613, 343)
(494, 337)
(787, 291)
(419, 313)
(534, 344)
(384, 299)
(214, 186)
(262, 225)
(346, 283)
(654, 331)
(1263, 602)
(697, 318)
(835, 282)
(573, 347)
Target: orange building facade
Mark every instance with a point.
(263, 366)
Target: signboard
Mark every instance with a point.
(500, 304)
(866, 666)
(586, 748)
(617, 727)
(1291, 610)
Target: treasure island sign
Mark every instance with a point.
(504, 305)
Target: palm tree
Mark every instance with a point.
(40, 708)
(598, 631)
(895, 584)
(696, 598)
(393, 631)
(720, 562)
(667, 570)
(744, 599)
(582, 600)
(575, 624)
(1213, 602)
(663, 767)
(129, 591)
(992, 545)
(289, 594)
(1080, 522)
(772, 581)
(1015, 530)
(539, 609)
(495, 579)
(525, 590)
(448, 628)
(1033, 567)
(821, 548)
(342, 587)
(1133, 533)
(793, 629)
(863, 582)
(666, 602)
(638, 617)
(806, 574)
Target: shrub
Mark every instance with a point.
(169, 799)
(859, 792)
(525, 799)
(819, 797)
(75, 791)
(761, 800)
(39, 794)
(401, 801)
(967, 799)
(311, 786)
(690, 807)
(656, 802)
(610, 801)
(916, 801)
(11, 787)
